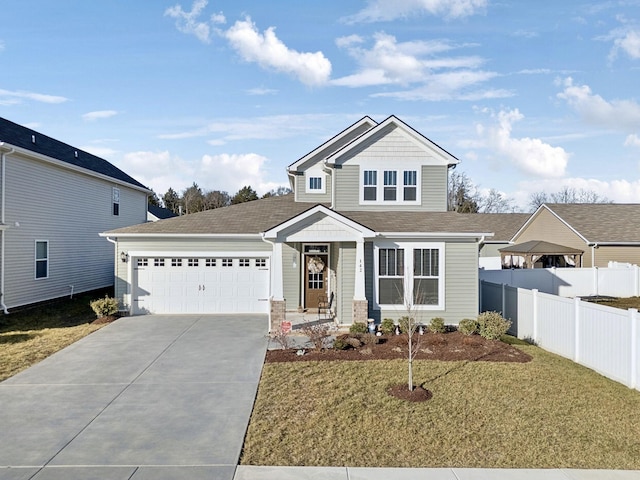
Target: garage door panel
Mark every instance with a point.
(238, 285)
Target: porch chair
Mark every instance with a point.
(324, 307)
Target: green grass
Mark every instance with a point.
(548, 413)
(29, 335)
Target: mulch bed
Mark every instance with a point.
(105, 319)
(453, 346)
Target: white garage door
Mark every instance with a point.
(201, 285)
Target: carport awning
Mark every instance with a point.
(539, 247)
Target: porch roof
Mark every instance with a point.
(539, 247)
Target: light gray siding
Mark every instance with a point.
(433, 188)
(291, 275)
(346, 281)
(303, 196)
(68, 209)
(461, 287)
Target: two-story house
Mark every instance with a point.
(367, 228)
(55, 199)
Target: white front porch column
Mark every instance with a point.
(359, 293)
(277, 292)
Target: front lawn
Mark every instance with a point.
(30, 335)
(548, 413)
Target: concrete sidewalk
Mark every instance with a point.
(149, 397)
(356, 473)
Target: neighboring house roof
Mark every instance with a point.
(160, 213)
(15, 135)
(258, 216)
(540, 247)
(613, 223)
(503, 225)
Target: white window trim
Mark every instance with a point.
(408, 248)
(399, 186)
(115, 200)
(36, 259)
(315, 174)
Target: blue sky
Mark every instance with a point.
(530, 96)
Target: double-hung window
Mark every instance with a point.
(370, 185)
(115, 194)
(315, 183)
(410, 273)
(42, 259)
(390, 185)
(391, 276)
(410, 185)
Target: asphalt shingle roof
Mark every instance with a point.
(20, 136)
(602, 222)
(261, 215)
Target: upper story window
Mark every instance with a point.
(315, 182)
(116, 200)
(42, 259)
(398, 186)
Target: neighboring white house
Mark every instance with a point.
(55, 199)
(366, 229)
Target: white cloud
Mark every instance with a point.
(98, 115)
(261, 91)
(616, 114)
(626, 39)
(227, 172)
(187, 22)
(385, 10)
(2, 45)
(531, 155)
(218, 18)
(8, 97)
(269, 52)
(632, 141)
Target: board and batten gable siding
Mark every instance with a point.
(547, 227)
(68, 209)
(179, 247)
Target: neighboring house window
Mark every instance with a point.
(422, 281)
(370, 185)
(315, 183)
(391, 276)
(42, 259)
(410, 185)
(396, 187)
(116, 200)
(390, 185)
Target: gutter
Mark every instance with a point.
(3, 161)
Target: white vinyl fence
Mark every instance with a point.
(571, 282)
(602, 338)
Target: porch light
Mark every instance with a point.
(124, 256)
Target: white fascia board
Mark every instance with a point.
(417, 235)
(614, 244)
(180, 235)
(364, 120)
(198, 253)
(75, 168)
(364, 231)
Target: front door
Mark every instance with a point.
(316, 268)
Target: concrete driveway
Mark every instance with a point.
(147, 397)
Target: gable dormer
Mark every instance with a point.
(388, 167)
(309, 177)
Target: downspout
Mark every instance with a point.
(292, 182)
(327, 168)
(2, 222)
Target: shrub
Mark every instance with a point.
(318, 335)
(104, 307)
(281, 337)
(468, 326)
(341, 343)
(492, 325)
(358, 327)
(436, 325)
(388, 327)
(370, 339)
